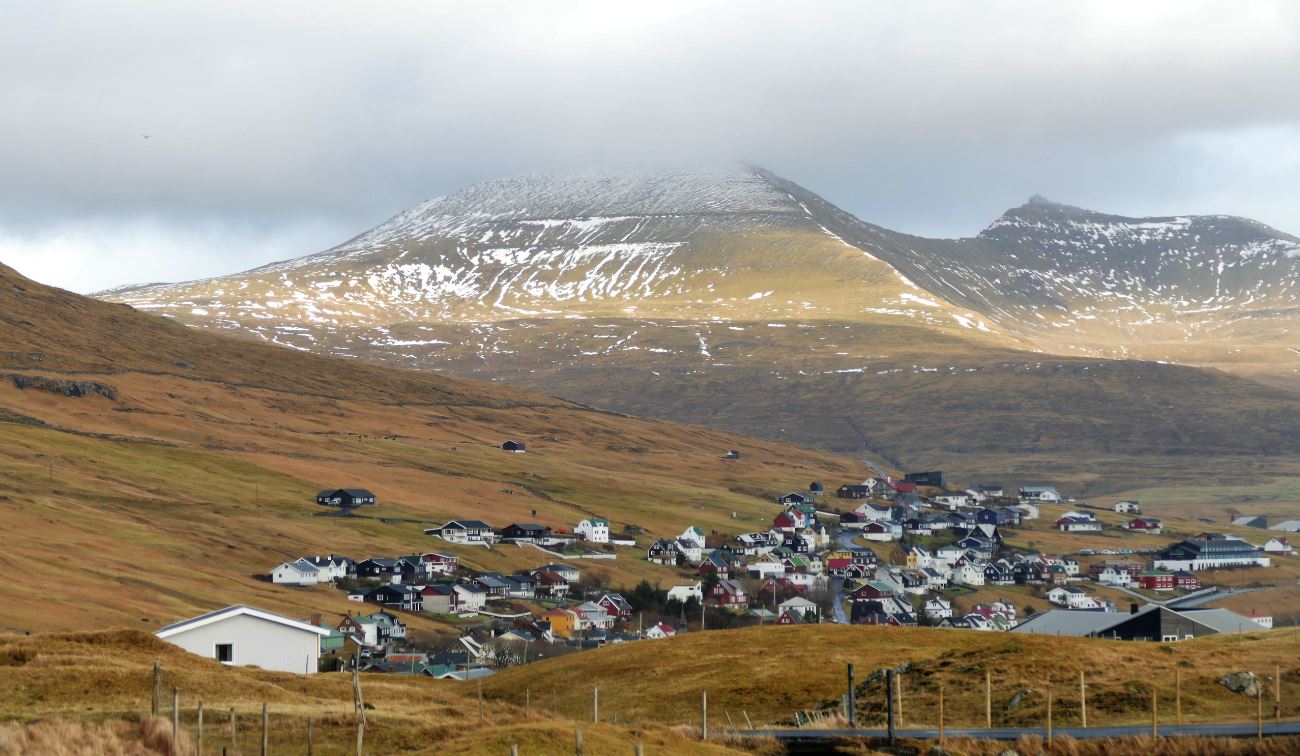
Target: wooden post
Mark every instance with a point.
(577, 742)
(637, 749)
(176, 715)
(480, 699)
(941, 715)
(234, 733)
(1178, 696)
(889, 705)
(595, 704)
(1277, 693)
(199, 745)
(311, 746)
(157, 687)
(1083, 699)
(988, 700)
(265, 730)
(898, 691)
(853, 702)
(730, 724)
(748, 723)
(528, 698)
(1259, 715)
(1049, 712)
(514, 749)
(704, 715)
(360, 706)
(1155, 722)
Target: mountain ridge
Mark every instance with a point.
(810, 318)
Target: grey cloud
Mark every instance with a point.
(275, 125)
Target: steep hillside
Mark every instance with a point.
(152, 493)
(734, 298)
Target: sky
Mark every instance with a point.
(281, 129)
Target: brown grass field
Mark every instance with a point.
(72, 690)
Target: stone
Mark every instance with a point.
(1244, 683)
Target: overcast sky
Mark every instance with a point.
(277, 129)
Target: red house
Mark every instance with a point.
(1186, 581)
(1150, 525)
(729, 594)
(1156, 581)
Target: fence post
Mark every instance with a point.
(577, 742)
(176, 715)
(1259, 714)
(595, 704)
(889, 705)
(157, 684)
(480, 699)
(941, 715)
(1178, 696)
(1049, 712)
(199, 748)
(360, 705)
(514, 749)
(853, 701)
(748, 723)
(234, 732)
(311, 747)
(638, 749)
(1083, 698)
(528, 698)
(988, 699)
(1155, 722)
(704, 715)
(898, 690)
(1277, 693)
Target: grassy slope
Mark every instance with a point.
(171, 497)
(803, 666)
(48, 676)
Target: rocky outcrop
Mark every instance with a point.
(1244, 683)
(63, 387)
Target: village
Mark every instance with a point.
(900, 552)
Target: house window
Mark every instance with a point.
(226, 653)
(1169, 638)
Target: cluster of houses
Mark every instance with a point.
(479, 533)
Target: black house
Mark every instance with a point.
(345, 498)
(853, 492)
(525, 532)
(513, 446)
(816, 488)
(934, 479)
(378, 567)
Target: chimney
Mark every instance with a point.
(315, 619)
(1133, 608)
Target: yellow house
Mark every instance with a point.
(563, 622)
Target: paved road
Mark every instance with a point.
(1238, 730)
(845, 539)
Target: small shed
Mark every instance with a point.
(514, 446)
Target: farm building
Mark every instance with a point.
(246, 637)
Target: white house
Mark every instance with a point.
(1042, 494)
(1075, 598)
(693, 535)
(1128, 507)
(1028, 510)
(938, 608)
(594, 529)
(686, 591)
(1116, 577)
(969, 574)
(661, 630)
(1278, 546)
(469, 598)
(799, 605)
(299, 572)
(473, 532)
(246, 637)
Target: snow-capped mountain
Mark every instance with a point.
(733, 297)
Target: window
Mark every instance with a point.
(1169, 638)
(226, 653)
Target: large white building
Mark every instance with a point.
(246, 637)
(1209, 552)
(594, 530)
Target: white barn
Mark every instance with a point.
(246, 637)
